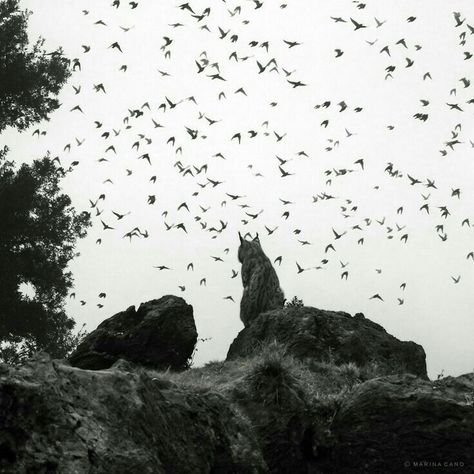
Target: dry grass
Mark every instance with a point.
(273, 375)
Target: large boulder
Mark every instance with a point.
(401, 424)
(57, 418)
(311, 333)
(264, 415)
(161, 334)
(298, 407)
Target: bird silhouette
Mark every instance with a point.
(299, 268)
(376, 297)
(221, 115)
(357, 25)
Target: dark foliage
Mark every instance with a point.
(30, 78)
(38, 232)
(294, 303)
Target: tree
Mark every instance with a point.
(39, 227)
(30, 78)
(38, 232)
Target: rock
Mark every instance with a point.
(161, 334)
(57, 418)
(285, 409)
(276, 404)
(390, 424)
(311, 333)
(262, 419)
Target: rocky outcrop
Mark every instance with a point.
(279, 411)
(400, 424)
(56, 418)
(282, 407)
(318, 335)
(161, 334)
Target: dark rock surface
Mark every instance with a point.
(161, 334)
(390, 424)
(59, 419)
(278, 411)
(311, 333)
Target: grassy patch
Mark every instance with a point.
(273, 375)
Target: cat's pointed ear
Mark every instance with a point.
(240, 238)
(256, 238)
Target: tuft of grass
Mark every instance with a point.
(274, 377)
(295, 302)
(349, 372)
(216, 376)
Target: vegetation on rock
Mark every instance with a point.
(39, 225)
(30, 77)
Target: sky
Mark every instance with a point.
(316, 148)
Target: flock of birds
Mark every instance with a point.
(190, 215)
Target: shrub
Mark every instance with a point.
(295, 302)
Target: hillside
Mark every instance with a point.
(302, 391)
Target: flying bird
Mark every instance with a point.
(376, 297)
(115, 45)
(299, 268)
(357, 25)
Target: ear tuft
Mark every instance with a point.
(240, 238)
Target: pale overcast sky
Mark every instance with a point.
(370, 117)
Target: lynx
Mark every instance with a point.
(262, 290)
